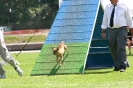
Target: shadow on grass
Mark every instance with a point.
(98, 70)
(56, 68)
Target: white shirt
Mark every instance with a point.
(1, 35)
(122, 16)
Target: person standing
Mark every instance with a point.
(117, 17)
(129, 41)
(5, 55)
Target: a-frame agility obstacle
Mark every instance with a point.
(78, 23)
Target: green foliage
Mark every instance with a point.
(32, 12)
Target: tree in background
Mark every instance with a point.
(27, 14)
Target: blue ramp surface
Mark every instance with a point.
(74, 24)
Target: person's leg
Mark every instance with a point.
(2, 72)
(113, 45)
(9, 59)
(121, 50)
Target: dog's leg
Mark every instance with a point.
(61, 59)
(57, 59)
(65, 47)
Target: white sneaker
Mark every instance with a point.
(19, 71)
(3, 76)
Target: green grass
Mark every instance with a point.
(24, 38)
(92, 78)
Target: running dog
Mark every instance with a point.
(59, 51)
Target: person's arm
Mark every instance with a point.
(103, 34)
(105, 20)
(104, 25)
(129, 18)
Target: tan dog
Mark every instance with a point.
(59, 51)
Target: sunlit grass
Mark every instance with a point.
(92, 78)
(24, 38)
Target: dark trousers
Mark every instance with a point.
(117, 39)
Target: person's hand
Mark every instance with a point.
(103, 35)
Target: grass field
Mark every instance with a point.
(24, 38)
(92, 78)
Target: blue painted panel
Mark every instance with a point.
(79, 2)
(68, 29)
(96, 59)
(74, 22)
(97, 29)
(80, 8)
(100, 14)
(100, 60)
(68, 36)
(69, 22)
(98, 49)
(99, 43)
(73, 15)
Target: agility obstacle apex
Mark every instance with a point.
(78, 23)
